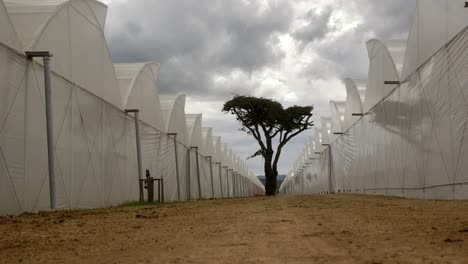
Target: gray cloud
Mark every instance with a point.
(316, 28)
(194, 40)
(345, 55)
(212, 49)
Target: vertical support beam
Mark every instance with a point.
(220, 178)
(247, 187)
(211, 176)
(330, 183)
(234, 184)
(138, 143)
(50, 131)
(198, 173)
(302, 182)
(45, 55)
(228, 181)
(136, 113)
(243, 186)
(330, 170)
(189, 175)
(176, 164)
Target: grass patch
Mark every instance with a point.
(138, 203)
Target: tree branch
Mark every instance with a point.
(255, 133)
(287, 138)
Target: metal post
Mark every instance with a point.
(45, 55)
(50, 131)
(239, 185)
(198, 174)
(330, 170)
(234, 192)
(211, 176)
(303, 184)
(241, 193)
(138, 146)
(176, 164)
(220, 178)
(235, 185)
(246, 187)
(227, 181)
(189, 175)
(241, 188)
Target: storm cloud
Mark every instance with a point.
(294, 51)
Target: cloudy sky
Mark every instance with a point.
(294, 51)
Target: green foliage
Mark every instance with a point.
(265, 119)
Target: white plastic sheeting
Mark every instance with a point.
(94, 145)
(382, 69)
(208, 151)
(8, 34)
(353, 104)
(137, 84)
(411, 144)
(412, 141)
(196, 167)
(337, 118)
(94, 139)
(60, 27)
(434, 24)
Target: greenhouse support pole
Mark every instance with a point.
(176, 164)
(247, 187)
(330, 169)
(241, 194)
(239, 185)
(235, 185)
(45, 55)
(136, 112)
(198, 173)
(302, 184)
(233, 177)
(242, 186)
(220, 178)
(189, 174)
(211, 176)
(227, 181)
(330, 187)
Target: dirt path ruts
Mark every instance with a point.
(313, 229)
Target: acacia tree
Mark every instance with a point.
(272, 126)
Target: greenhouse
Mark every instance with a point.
(124, 128)
(403, 130)
(95, 103)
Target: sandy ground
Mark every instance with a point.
(310, 229)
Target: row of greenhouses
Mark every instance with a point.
(402, 131)
(95, 138)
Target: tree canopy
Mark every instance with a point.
(267, 120)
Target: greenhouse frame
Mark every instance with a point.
(404, 130)
(96, 162)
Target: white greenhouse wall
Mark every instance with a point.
(96, 161)
(411, 144)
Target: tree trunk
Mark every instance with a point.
(270, 175)
(271, 185)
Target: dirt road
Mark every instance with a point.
(313, 229)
